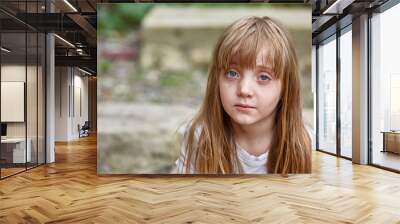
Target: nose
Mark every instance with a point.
(245, 87)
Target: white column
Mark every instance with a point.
(50, 92)
(360, 90)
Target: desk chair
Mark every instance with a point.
(84, 130)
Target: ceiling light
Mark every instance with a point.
(86, 72)
(5, 49)
(337, 7)
(70, 5)
(65, 41)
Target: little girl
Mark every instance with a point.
(251, 118)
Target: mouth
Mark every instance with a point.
(244, 107)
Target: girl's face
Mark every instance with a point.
(250, 95)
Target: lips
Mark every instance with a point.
(244, 106)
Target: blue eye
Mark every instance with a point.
(232, 74)
(264, 77)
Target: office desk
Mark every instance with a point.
(16, 147)
(391, 141)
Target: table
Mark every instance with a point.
(391, 141)
(17, 150)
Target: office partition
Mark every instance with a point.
(22, 77)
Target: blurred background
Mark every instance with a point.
(152, 71)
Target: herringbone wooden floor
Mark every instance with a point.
(70, 191)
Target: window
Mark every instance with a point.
(22, 78)
(346, 75)
(385, 89)
(327, 96)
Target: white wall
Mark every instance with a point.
(12, 101)
(70, 83)
(33, 126)
(11, 73)
(80, 108)
(62, 81)
(14, 73)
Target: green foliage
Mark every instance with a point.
(174, 79)
(220, 5)
(138, 153)
(105, 65)
(237, 5)
(124, 17)
(121, 18)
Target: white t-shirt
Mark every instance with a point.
(251, 164)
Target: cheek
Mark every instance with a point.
(270, 97)
(226, 91)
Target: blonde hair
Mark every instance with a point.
(212, 151)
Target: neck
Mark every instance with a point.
(256, 138)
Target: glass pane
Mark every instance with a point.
(31, 85)
(313, 87)
(345, 94)
(41, 98)
(31, 97)
(13, 86)
(386, 89)
(327, 96)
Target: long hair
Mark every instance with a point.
(212, 150)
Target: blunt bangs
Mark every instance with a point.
(243, 42)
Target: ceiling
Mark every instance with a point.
(330, 15)
(74, 22)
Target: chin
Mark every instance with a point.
(244, 119)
